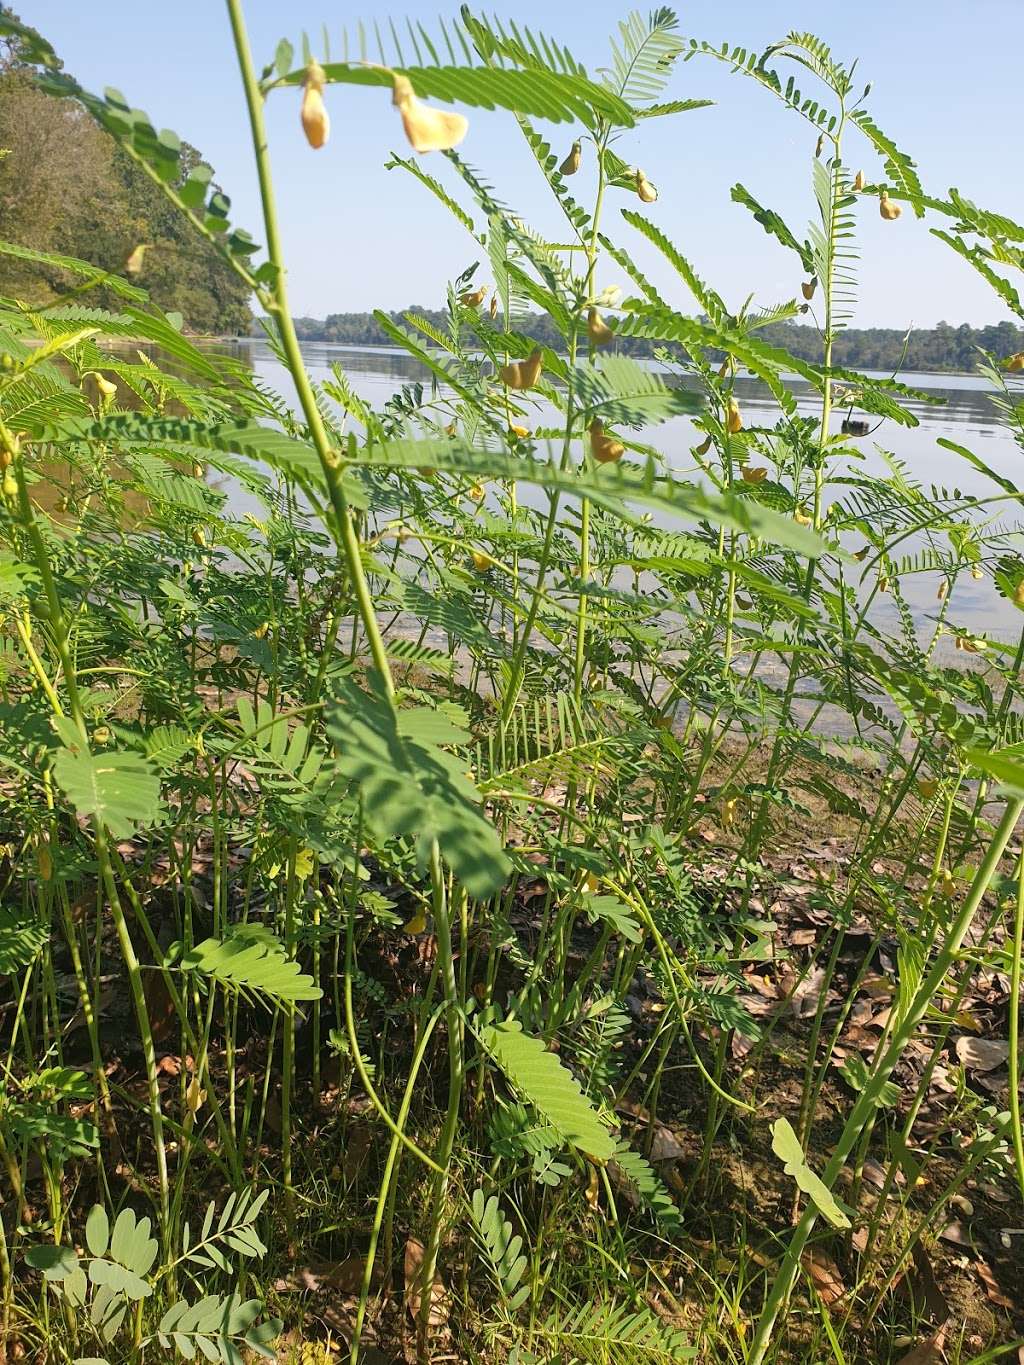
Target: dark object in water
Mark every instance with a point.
(855, 426)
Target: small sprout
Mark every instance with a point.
(859, 181)
(523, 374)
(733, 418)
(316, 123)
(605, 449)
(598, 331)
(889, 211)
(428, 129)
(571, 164)
(808, 287)
(473, 298)
(648, 194)
(134, 260)
(754, 473)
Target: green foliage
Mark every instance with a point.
(550, 1088)
(120, 790)
(249, 959)
(786, 1146)
(502, 1249)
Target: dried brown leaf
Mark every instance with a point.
(824, 1274)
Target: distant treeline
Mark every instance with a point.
(944, 347)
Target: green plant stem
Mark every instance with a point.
(1016, 1135)
(864, 1107)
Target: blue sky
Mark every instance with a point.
(946, 86)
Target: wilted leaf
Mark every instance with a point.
(982, 1054)
(992, 1290)
(929, 1352)
(438, 1314)
(824, 1274)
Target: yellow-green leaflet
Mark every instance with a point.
(786, 1145)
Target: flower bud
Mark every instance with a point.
(883, 586)
(704, 446)
(477, 492)
(1018, 593)
(943, 589)
(106, 388)
(977, 572)
(889, 211)
(598, 331)
(199, 538)
(494, 306)
(801, 518)
(733, 417)
(571, 164)
(9, 487)
(520, 433)
(605, 449)
(756, 474)
(648, 194)
(428, 130)
(316, 123)
(134, 259)
(473, 298)
(859, 181)
(819, 146)
(481, 562)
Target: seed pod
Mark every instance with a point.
(134, 260)
(733, 418)
(808, 287)
(648, 194)
(523, 374)
(477, 492)
(704, 446)
(494, 306)
(1016, 362)
(605, 449)
(598, 331)
(428, 130)
(571, 164)
(859, 181)
(801, 518)
(316, 123)
(44, 863)
(927, 787)
(756, 474)
(481, 562)
(473, 298)
(889, 211)
(943, 590)
(520, 433)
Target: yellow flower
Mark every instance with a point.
(316, 123)
(520, 433)
(801, 518)
(889, 211)
(428, 129)
(927, 787)
(648, 194)
(134, 260)
(571, 164)
(494, 306)
(704, 446)
(418, 923)
(756, 474)
(858, 181)
(733, 417)
(473, 298)
(477, 492)
(304, 864)
(1016, 362)
(523, 374)
(808, 287)
(598, 330)
(605, 449)
(481, 562)
(942, 590)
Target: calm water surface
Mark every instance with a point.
(966, 416)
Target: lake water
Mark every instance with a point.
(966, 415)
